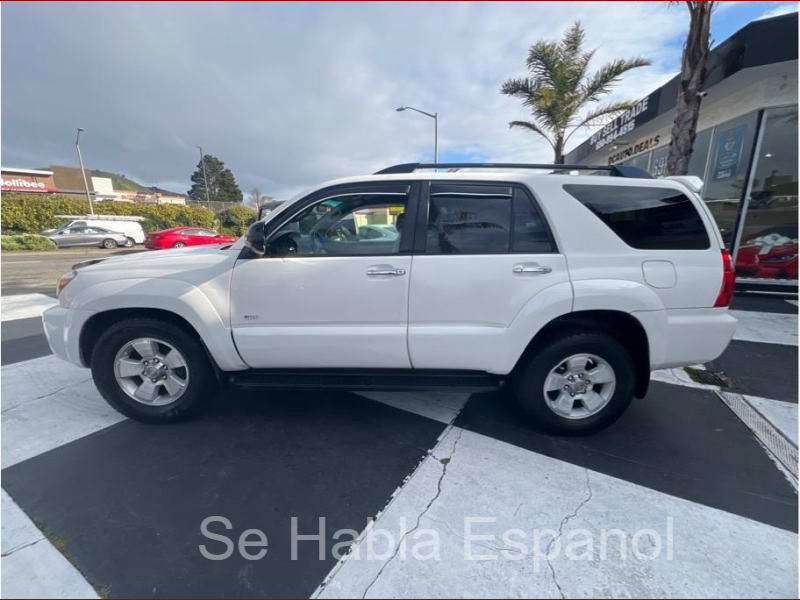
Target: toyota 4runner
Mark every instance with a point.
(568, 287)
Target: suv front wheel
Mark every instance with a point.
(151, 370)
(578, 383)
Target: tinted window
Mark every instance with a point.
(531, 234)
(337, 226)
(468, 219)
(645, 217)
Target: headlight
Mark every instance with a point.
(782, 258)
(64, 280)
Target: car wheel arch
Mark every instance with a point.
(100, 321)
(623, 326)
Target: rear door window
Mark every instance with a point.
(468, 219)
(646, 218)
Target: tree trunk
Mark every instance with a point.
(559, 150)
(692, 79)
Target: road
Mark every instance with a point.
(38, 272)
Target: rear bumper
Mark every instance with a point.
(62, 328)
(687, 336)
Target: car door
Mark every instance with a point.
(73, 236)
(93, 236)
(483, 251)
(321, 296)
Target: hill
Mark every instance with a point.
(121, 182)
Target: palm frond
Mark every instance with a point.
(605, 77)
(532, 127)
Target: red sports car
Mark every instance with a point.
(770, 254)
(179, 237)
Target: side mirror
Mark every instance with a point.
(255, 238)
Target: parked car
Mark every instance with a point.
(570, 288)
(88, 236)
(179, 237)
(129, 225)
(769, 254)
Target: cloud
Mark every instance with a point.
(292, 94)
(782, 8)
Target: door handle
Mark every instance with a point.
(531, 268)
(375, 271)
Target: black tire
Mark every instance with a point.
(129, 242)
(528, 383)
(201, 380)
(108, 244)
(178, 245)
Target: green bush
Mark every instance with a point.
(32, 213)
(236, 219)
(26, 242)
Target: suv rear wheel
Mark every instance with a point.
(151, 370)
(578, 383)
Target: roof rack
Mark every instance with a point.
(615, 170)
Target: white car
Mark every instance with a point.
(569, 287)
(129, 226)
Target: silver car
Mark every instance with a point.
(87, 236)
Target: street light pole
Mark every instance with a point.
(205, 179)
(83, 171)
(435, 117)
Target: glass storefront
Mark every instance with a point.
(768, 244)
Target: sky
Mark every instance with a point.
(290, 95)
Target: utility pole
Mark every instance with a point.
(205, 179)
(83, 171)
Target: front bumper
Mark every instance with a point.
(62, 328)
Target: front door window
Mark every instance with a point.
(346, 225)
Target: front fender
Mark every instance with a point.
(178, 297)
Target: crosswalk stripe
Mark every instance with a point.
(32, 566)
(684, 548)
(24, 306)
(764, 327)
(46, 403)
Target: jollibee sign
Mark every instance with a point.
(25, 185)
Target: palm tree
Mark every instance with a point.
(690, 88)
(559, 88)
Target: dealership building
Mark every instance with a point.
(745, 150)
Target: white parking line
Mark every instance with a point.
(473, 485)
(24, 306)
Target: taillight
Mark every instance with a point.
(728, 277)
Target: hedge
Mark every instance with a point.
(236, 219)
(26, 242)
(31, 213)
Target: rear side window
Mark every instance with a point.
(484, 219)
(646, 218)
(468, 219)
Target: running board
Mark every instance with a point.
(365, 379)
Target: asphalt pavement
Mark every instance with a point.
(38, 272)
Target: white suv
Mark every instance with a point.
(569, 287)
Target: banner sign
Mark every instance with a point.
(729, 152)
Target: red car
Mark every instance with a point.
(179, 237)
(770, 254)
